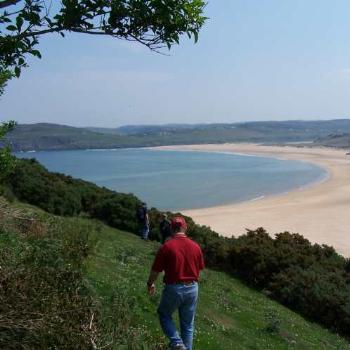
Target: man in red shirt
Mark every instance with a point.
(181, 259)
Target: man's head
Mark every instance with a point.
(178, 224)
(164, 216)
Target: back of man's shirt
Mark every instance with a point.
(181, 259)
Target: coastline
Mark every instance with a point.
(318, 211)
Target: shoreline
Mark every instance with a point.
(318, 211)
(313, 183)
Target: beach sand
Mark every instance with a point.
(320, 212)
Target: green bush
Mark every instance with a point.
(62, 195)
(315, 292)
(44, 303)
(7, 161)
(117, 210)
(311, 279)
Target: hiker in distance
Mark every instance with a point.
(143, 219)
(165, 227)
(181, 259)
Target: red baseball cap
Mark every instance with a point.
(178, 222)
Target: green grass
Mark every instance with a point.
(230, 315)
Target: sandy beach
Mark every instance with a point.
(320, 212)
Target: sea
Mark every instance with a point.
(179, 180)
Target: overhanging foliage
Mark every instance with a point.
(153, 23)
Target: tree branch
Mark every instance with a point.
(40, 32)
(6, 3)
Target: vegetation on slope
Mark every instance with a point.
(44, 303)
(63, 195)
(6, 158)
(76, 283)
(230, 315)
(311, 279)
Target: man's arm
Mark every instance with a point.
(156, 269)
(150, 283)
(201, 260)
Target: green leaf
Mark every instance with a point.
(36, 53)
(19, 22)
(195, 36)
(17, 71)
(11, 27)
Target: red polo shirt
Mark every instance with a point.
(180, 258)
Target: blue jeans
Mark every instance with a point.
(183, 298)
(144, 231)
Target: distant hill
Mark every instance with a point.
(335, 140)
(44, 136)
(27, 137)
(145, 129)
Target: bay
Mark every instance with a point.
(175, 180)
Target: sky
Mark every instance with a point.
(255, 60)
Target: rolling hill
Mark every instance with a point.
(27, 137)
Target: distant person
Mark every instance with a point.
(181, 259)
(143, 218)
(165, 227)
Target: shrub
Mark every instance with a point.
(310, 279)
(43, 301)
(7, 161)
(32, 183)
(316, 293)
(63, 195)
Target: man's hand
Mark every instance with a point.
(150, 283)
(151, 289)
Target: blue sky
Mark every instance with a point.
(255, 60)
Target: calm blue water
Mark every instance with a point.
(181, 180)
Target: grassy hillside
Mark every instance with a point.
(56, 137)
(121, 315)
(230, 315)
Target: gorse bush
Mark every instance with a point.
(7, 161)
(44, 303)
(62, 195)
(32, 183)
(311, 279)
